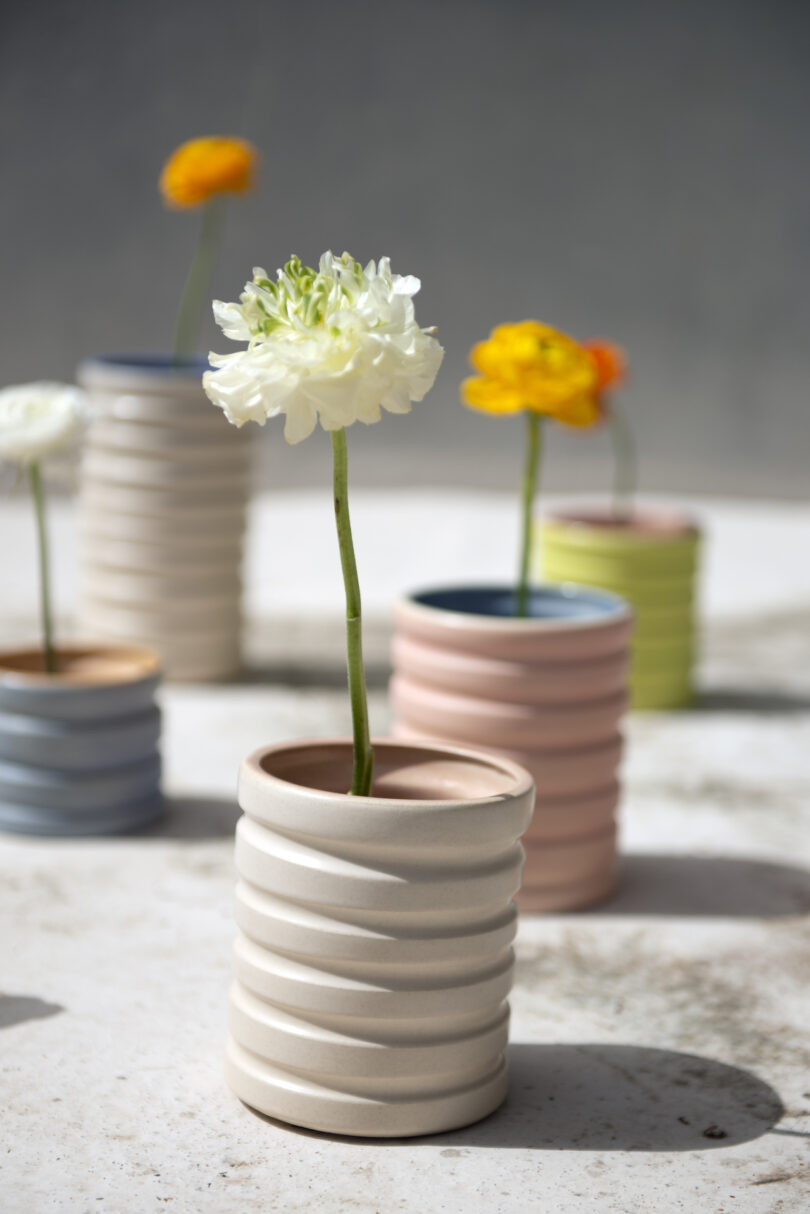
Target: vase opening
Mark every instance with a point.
(660, 524)
(402, 771)
(160, 363)
(564, 602)
(84, 665)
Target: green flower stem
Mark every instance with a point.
(197, 282)
(625, 462)
(35, 478)
(363, 754)
(528, 489)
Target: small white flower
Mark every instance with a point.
(39, 419)
(334, 345)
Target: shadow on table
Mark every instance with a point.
(624, 1097)
(302, 674)
(614, 1098)
(16, 1009)
(196, 818)
(741, 699)
(708, 886)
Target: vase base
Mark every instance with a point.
(300, 1101)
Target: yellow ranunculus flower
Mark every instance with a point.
(202, 168)
(532, 366)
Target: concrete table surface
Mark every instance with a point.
(661, 1057)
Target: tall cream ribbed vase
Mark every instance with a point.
(162, 506)
(374, 957)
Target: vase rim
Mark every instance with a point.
(148, 361)
(597, 608)
(645, 522)
(518, 782)
(102, 665)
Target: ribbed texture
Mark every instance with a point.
(78, 760)
(655, 571)
(162, 515)
(548, 698)
(371, 977)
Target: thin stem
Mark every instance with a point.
(197, 282)
(528, 490)
(35, 478)
(625, 462)
(363, 754)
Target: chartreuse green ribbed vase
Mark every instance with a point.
(652, 562)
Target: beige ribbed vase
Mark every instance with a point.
(162, 506)
(374, 957)
(548, 691)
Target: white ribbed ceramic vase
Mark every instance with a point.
(162, 507)
(548, 691)
(79, 749)
(374, 957)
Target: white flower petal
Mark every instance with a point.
(301, 421)
(334, 346)
(407, 285)
(230, 318)
(39, 419)
(397, 400)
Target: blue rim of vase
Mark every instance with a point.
(160, 363)
(564, 604)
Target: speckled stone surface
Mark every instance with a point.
(661, 1059)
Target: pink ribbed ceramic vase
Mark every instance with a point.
(548, 691)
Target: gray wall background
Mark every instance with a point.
(615, 167)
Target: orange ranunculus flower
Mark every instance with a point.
(532, 366)
(202, 168)
(611, 367)
(609, 360)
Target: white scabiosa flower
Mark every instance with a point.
(334, 345)
(38, 420)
